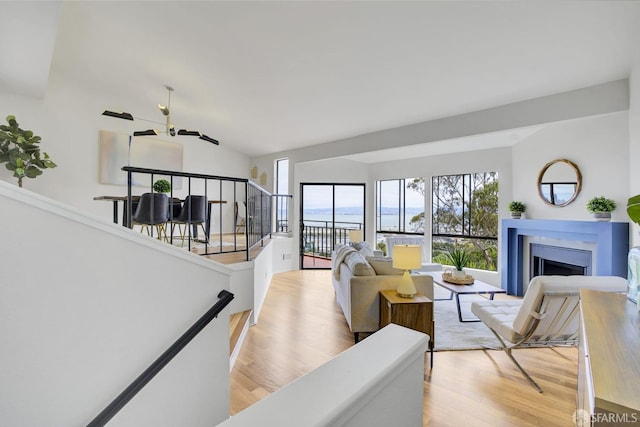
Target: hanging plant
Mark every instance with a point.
(20, 151)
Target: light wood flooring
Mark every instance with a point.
(301, 327)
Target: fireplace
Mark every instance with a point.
(608, 258)
(547, 260)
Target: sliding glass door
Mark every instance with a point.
(327, 212)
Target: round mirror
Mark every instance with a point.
(559, 182)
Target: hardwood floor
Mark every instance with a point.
(301, 327)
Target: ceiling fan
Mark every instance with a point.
(169, 129)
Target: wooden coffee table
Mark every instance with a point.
(478, 287)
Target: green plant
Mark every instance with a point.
(633, 208)
(459, 257)
(516, 206)
(20, 151)
(161, 186)
(601, 204)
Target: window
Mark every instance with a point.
(282, 199)
(327, 212)
(465, 213)
(399, 208)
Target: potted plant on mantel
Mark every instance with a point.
(20, 150)
(601, 208)
(517, 208)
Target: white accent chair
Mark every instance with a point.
(548, 314)
(390, 241)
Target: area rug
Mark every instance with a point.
(453, 335)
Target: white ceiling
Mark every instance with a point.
(264, 77)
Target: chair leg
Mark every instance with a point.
(162, 232)
(204, 233)
(507, 350)
(182, 234)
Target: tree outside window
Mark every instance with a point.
(465, 213)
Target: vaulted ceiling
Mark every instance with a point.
(264, 76)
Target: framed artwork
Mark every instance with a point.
(115, 153)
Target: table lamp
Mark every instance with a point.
(355, 236)
(407, 257)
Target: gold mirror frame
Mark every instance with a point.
(577, 184)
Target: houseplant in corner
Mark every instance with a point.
(601, 208)
(633, 208)
(517, 208)
(20, 150)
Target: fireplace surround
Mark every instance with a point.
(611, 241)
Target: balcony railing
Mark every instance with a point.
(319, 238)
(227, 229)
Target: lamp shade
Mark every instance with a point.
(407, 257)
(355, 236)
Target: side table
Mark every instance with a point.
(414, 313)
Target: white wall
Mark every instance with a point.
(599, 146)
(86, 306)
(634, 142)
(262, 274)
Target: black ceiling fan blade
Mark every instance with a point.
(187, 132)
(121, 115)
(147, 132)
(209, 139)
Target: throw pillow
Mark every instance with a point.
(383, 266)
(364, 248)
(359, 265)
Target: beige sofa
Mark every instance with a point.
(357, 286)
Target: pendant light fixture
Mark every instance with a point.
(169, 129)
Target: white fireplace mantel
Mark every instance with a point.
(611, 240)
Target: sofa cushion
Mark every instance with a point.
(364, 248)
(358, 264)
(383, 266)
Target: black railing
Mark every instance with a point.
(143, 379)
(251, 204)
(320, 237)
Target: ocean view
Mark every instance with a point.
(351, 217)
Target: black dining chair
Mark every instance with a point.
(193, 212)
(152, 211)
